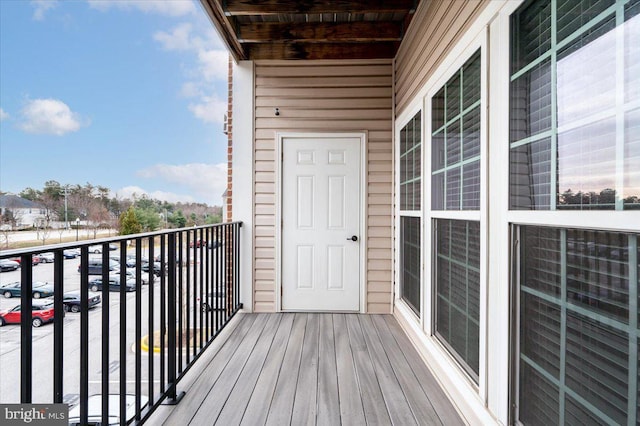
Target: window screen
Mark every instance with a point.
(578, 334)
(410, 261)
(457, 278)
(574, 141)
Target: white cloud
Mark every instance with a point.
(132, 192)
(161, 7)
(41, 7)
(207, 181)
(3, 115)
(210, 109)
(49, 116)
(190, 89)
(179, 38)
(213, 64)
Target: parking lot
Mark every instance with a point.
(43, 340)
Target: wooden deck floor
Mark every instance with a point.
(305, 369)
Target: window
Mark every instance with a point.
(455, 141)
(574, 124)
(410, 206)
(457, 276)
(455, 187)
(578, 325)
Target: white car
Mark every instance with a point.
(46, 257)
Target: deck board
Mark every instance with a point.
(306, 369)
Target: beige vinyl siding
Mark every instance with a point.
(435, 29)
(325, 96)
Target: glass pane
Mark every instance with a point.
(452, 101)
(437, 191)
(587, 167)
(530, 33)
(597, 365)
(540, 333)
(471, 81)
(453, 189)
(453, 143)
(437, 151)
(597, 272)
(541, 260)
(586, 83)
(471, 186)
(573, 14)
(437, 110)
(457, 283)
(632, 52)
(471, 134)
(539, 398)
(632, 160)
(530, 176)
(410, 261)
(531, 103)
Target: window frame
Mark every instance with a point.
(407, 117)
(446, 70)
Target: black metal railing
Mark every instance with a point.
(142, 339)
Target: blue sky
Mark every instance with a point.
(120, 93)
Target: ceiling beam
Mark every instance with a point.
(319, 32)
(267, 7)
(289, 51)
(224, 27)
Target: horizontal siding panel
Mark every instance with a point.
(374, 221)
(331, 70)
(336, 113)
(381, 210)
(379, 308)
(321, 123)
(379, 297)
(324, 81)
(380, 188)
(373, 242)
(327, 103)
(265, 242)
(384, 277)
(265, 276)
(265, 220)
(379, 232)
(379, 265)
(266, 264)
(265, 177)
(380, 254)
(264, 155)
(265, 286)
(369, 92)
(374, 199)
(265, 252)
(264, 307)
(380, 286)
(265, 199)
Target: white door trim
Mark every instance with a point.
(362, 136)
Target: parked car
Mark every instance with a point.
(38, 290)
(114, 284)
(157, 268)
(41, 313)
(71, 253)
(197, 243)
(94, 410)
(98, 248)
(95, 266)
(46, 257)
(35, 259)
(8, 265)
(71, 301)
(131, 275)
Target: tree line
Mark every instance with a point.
(95, 208)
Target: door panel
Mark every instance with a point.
(320, 214)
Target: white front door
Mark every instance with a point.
(321, 223)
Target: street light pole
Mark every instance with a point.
(77, 227)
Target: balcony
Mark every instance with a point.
(179, 349)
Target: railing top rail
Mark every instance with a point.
(4, 254)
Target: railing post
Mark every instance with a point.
(26, 334)
(172, 395)
(58, 326)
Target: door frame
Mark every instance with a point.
(280, 137)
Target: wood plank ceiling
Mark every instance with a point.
(308, 29)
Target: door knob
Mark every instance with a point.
(353, 238)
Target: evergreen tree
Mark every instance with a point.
(129, 223)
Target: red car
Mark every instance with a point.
(197, 243)
(42, 313)
(35, 260)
